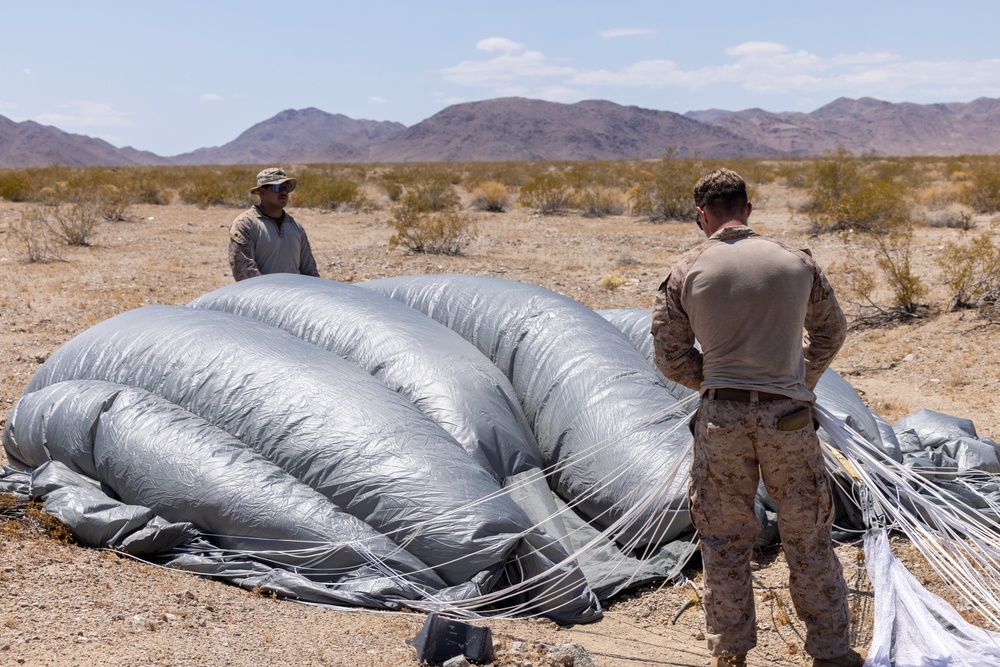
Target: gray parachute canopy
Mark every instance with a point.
(455, 443)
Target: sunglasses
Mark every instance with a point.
(281, 187)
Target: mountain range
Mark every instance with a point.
(514, 128)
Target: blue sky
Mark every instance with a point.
(173, 77)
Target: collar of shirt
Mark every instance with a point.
(737, 232)
(277, 221)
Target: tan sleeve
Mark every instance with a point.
(826, 328)
(674, 352)
(307, 263)
(241, 249)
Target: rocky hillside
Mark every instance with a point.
(304, 135)
(515, 128)
(869, 126)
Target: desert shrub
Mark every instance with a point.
(611, 282)
(490, 196)
(217, 187)
(845, 193)
(434, 232)
(14, 185)
(73, 223)
(31, 236)
(982, 190)
(328, 191)
(547, 193)
(892, 259)
(971, 271)
(599, 201)
(663, 189)
(113, 203)
(433, 193)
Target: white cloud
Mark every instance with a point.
(375, 99)
(756, 67)
(85, 114)
(508, 70)
(614, 33)
(210, 97)
(502, 44)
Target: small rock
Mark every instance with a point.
(570, 655)
(457, 661)
(908, 357)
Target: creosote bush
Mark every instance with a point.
(971, 271)
(982, 190)
(32, 238)
(548, 193)
(663, 189)
(598, 202)
(422, 231)
(328, 191)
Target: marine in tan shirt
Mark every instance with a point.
(768, 324)
(266, 238)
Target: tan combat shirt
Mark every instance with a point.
(747, 300)
(258, 245)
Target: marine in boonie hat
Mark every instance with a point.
(273, 176)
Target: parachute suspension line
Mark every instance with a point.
(650, 500)
(955, 533)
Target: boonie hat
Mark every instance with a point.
(273, 176)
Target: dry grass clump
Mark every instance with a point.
(21, 519)
(612, 281)
(490, 196)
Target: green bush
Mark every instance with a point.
(982, 192)
(663, 189)
(327, 191)
(971, 270)
(14, 185)
(598, 202)
(547, 193)
(218, 187)
(433, 193)
(846, 193)
(422, 231)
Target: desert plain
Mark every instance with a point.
(63, 604)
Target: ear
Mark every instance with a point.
(749, 208)
(698, 217)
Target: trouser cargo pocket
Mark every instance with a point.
(795, 420)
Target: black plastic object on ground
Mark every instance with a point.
(442, 639)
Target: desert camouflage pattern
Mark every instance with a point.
(735, 444)
(273, 176)
(738, 443)
(259, 245)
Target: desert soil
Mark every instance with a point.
(62, 604)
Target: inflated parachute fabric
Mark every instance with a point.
(458, 444)
(334, 428)
(581, 385)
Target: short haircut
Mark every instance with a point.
(722, 192)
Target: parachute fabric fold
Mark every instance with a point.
(432, 366)
(605, 422)
(336, 429)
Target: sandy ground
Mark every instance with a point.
(61, 604)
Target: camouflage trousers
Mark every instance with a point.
(735, 444)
